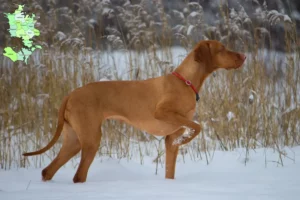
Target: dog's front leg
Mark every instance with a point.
(172, 143)
(173, 117)
(171, 153)
(165, 112)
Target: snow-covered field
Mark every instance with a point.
(226, 177)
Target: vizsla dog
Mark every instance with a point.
(162, 106)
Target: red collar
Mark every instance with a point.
(187, 82)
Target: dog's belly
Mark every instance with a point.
(152, 126)
(158, 128)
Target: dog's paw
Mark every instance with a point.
(46, 176)
(188, 133)
(178, 141)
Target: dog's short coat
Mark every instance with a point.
(162, 106)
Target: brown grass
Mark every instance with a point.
(264, 102)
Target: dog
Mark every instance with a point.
(162, 106)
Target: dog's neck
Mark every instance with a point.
(192, 70)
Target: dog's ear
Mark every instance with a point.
(202, 53)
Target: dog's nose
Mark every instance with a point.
(242, 56)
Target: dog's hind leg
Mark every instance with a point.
(89, 145)
(70, 148)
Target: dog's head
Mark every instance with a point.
(215, 56)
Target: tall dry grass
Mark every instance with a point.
(254, 107)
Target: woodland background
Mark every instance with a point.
(142, 23)
(257, 106)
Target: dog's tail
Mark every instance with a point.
(59, 128)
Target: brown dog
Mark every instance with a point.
(162, 106)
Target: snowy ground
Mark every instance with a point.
(226, 177)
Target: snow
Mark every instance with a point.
(194, 14)
(286, 18)
(190, 29)
(230, 115)
(226, 177)
(251, 98)
(275, 17)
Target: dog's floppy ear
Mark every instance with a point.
(203, 54)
